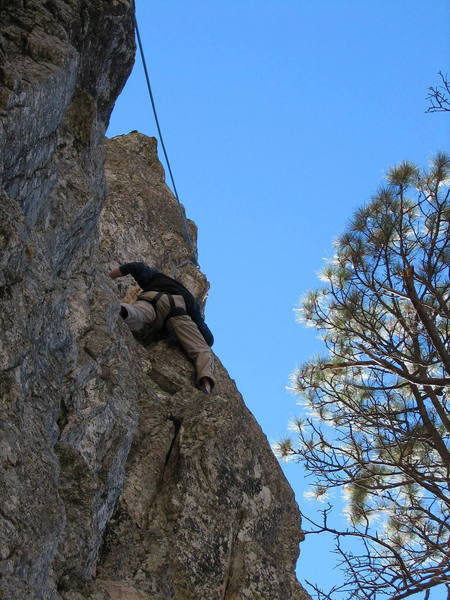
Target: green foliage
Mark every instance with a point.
(284, 448)
(404, 174)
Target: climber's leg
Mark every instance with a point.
(195, 347)
(137, 315)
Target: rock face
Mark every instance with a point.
(118, 479)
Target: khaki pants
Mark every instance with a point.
(142, 313)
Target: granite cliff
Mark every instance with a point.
(118, 478)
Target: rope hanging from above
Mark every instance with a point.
(187, 234)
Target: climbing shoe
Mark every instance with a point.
(205, 385)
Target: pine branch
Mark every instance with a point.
(425, 319)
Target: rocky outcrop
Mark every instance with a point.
(118, 478)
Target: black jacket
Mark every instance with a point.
(153, 280)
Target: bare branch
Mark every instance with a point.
(439, 95)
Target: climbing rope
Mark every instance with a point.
(187, 236)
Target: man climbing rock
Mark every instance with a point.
(167, 304)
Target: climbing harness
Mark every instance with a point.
(187, 235)
(174, 310)
(177, 311)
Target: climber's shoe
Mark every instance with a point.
(205, 385)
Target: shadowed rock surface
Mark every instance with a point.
(118, 479)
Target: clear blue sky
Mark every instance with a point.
(281, 117)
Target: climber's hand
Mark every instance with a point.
(115, 273)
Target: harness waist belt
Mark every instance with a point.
(174, 310)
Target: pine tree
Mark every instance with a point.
(379, 421)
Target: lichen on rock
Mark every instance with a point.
(118, 478)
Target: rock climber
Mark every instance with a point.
(167, 304)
